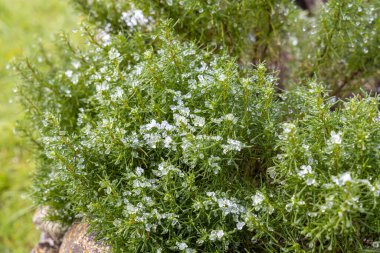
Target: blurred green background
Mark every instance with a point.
(22, 24)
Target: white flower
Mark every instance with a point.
(75, 79)
(181, 245)
(164, 168)
(288, 127)
(102, 87)
(199, 121)
(343, 179)
(76, 64)
(200, 241)
(257, 199)
(233, 145)
(305, 169)
(168, 140)
(104, 37)
(211, 194)
(230, 117)
(336, 138)
(222, 77)
(113, 53)
(311, 181)
(240, 225)
(69, 73)
(139, 171)
(119, 92)
(216, 235)
(134, 19)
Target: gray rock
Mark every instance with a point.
(78, 240)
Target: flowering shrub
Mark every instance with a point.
(164, 145)
(337, 44)
(327, 166)
(341, 46)
(158, 142)
(252, 30)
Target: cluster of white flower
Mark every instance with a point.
(158, 135)
(230, 118)
(136, 20)
(257, 199)
(216, 235)
(288, 129)
(336, 138)
(342, 179)
(232, 145)
(165, 168)
(182, 246)
(306, 172)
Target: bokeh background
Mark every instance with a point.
(23, 23)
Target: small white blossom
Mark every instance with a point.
(102, 87)
(240, 225)
(305, 169)
(288, 127)
(216, 235)
(69, 73)
(76, 64)
(113, 53)
(104, 37)
(75, 79)
(232, 145)
(230, 117)
(139, 171)
(200, 241)
(168, 140)
(336, 138)
(135, 19)
(343, 179)
(181, 245)
(222, 77)
(119, 92)
(311, 181)
(211, 194)
(257, 199)
(199, 121)
(164, 168)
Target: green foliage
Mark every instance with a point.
(163, 144)
(253, 30)
(180, 118)
(346, 40)
(21, 22)
(337, 44)
(327, 166)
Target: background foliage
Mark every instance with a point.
(21, 24)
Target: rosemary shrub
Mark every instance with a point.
(337, 43)
(164, 144)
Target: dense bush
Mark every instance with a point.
(252, 30)
(341, 49)
(163, 143)
(338, 44)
